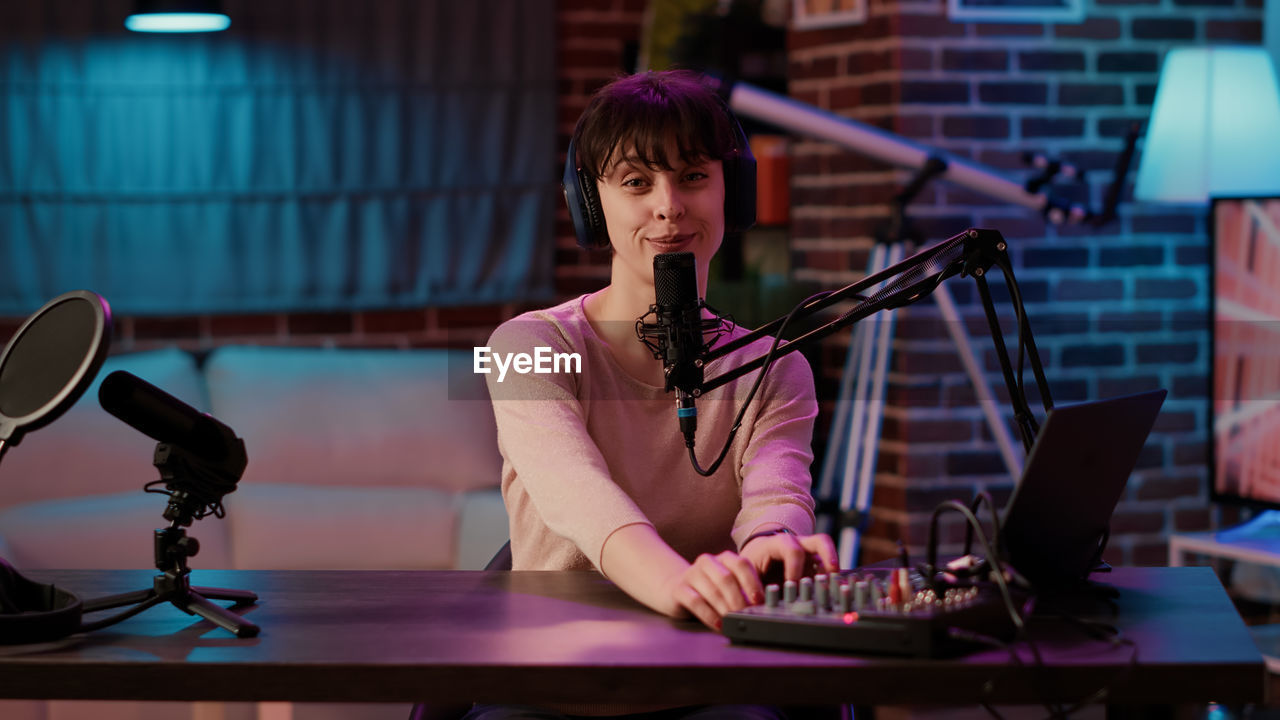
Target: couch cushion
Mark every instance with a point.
(482, 528)
(102, 531)
(88, 451)
(298, 527)
(357, 417)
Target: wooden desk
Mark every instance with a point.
(558, 637)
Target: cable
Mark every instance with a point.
(208, 501)
(997, 574)
(742, 411)
(897, 292)
(124, 615)
(978, 499)
(1097, 630)
(997, 567)
(1025, 340)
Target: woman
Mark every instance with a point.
(595, 474)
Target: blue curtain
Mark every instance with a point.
(319, 155)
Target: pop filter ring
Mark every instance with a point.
(93, 354)
(30, 611)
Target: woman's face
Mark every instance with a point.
(649, 210)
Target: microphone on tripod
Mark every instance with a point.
(200, 459)
(678, 333)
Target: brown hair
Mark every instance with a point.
(645, 110)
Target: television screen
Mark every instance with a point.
(1245, 395)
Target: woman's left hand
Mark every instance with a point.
(800, 555)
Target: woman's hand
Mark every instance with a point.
(636, 559)
(717, 584)
(800, 555)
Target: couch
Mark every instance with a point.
(358, 459)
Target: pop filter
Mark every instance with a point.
(44, 369)
(51, 361)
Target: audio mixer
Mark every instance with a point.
(876, 611)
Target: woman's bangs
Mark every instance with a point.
(651, 134)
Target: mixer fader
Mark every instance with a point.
(877, 611)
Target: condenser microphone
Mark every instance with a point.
(679, 311)
(163, 417)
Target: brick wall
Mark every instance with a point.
(1115, 309)
(598, 40)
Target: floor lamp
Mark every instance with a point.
(1215, 133)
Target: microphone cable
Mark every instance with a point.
(771, 356)
(755, 387)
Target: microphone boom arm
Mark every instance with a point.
(972, 252)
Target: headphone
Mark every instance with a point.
(32, 612)
(583, 198)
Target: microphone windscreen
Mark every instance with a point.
(159, 415)
(675, 280)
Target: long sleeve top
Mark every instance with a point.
(588, 450)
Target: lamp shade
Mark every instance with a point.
(1214, 129)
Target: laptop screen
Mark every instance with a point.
(1057, 520)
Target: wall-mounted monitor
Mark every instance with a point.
(1245, 391)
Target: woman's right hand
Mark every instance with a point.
(714, 585)
(637, 560)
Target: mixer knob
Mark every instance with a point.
(895, 591)
(789, 591)
(903, 580)
(806, 589)
(862, 595)
(772, 593)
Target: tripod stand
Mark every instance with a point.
(855, 430)
(172, 548)
(195, 483)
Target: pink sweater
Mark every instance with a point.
(587, 453)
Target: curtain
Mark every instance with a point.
(319, 155)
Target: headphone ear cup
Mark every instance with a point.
(739, 181)
(593, 212)
(583, 199)
(32, 612)
(739, 192)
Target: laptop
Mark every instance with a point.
(1057, 521)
